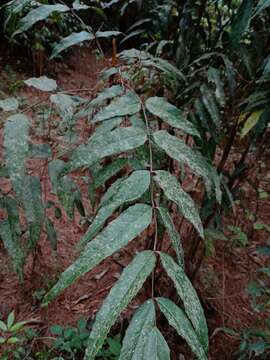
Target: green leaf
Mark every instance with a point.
(116, 235)
(106, 127)
(261, 6)
(213, 75)
(51, 232)
(106, 94)
(34, 209)
(182, 325)
(106, 173)
(13, 340)
(250, 122)
(2, 341)
(38, 14)
(128, 285)
(66, 188)
(3, 326)
(42, 83)
(10, 319)
(40, 151)
(55, 168)
(175, 193)
(128, 190)
(65, 102)
(173, 234)
(179, 151)
(169, 113)
(77, 5)
(71, 40)
(188, 296)
(10, 232)
(115, 142)
(128, 104)
(241, 22)
(16, 149)
(18, 326)
(142, 322)
(210, 104)
(156, 347)
(106, 34)
(10, 104)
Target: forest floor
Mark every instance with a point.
(222, 278)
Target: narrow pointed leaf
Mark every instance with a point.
(156, 347)
(241, 22)
(175, 193)
(10, 319)
(16, 149)
(128, 285)
(250, 122)
(115, 142)
(178, 320)
(210, 104)
(129, 190)
(106, 173)
(141, 324)
(106, 34)
(169, 113)
(115, 236)
(189, 297)
(10, 232)
(179, 151)
(71, 40)
(262, 5)
(173, 234)
(51, 232)
(38, 14)
(55, 168)
(34, 209)
(128, 104)
(66, 188)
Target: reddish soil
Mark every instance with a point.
(221, 281)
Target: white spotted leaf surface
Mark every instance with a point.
(179, 151)
(42, 83)
(169, 113)
(135, 337)
(129, 190)
(16, 149)
(71, 40)
(128, 104)
(189, 297)
(128, 285)
(173, 234)
(38, 14)
(178, 320)
(115, 236)
(174, 192)
(98, 147)
(156, 347)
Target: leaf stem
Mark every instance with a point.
(151, 190)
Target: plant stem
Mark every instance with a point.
(151, 190)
